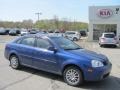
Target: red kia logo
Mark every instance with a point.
(104, 13)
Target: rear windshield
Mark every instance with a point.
(109, 35)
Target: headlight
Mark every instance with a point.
(96, 63)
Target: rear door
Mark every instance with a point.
(25, 50)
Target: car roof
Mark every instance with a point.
(40, 36)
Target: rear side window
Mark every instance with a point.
(28, 41)
(109, 35)
(43, 43)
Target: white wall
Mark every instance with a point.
(94, 18)
(118, 30)
(93, 10)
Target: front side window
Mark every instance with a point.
(65, 43)
(42, 43)
(28, 41)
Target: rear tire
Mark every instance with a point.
(73, 76)
(115, 46)
(101, 45)
(14, 62)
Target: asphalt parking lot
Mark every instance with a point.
(31, 79)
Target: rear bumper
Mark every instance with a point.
(98, 73)
(105, 43)
(111, 42)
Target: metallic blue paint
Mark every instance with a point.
(55, 62)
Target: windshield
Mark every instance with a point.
(65, 44)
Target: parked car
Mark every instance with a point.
(73, 35)
(42, 33)
(3, 32)
(51, 32)
(60, 56)
(58, 33)
(108, 39)
(83, 33)
(7, 31)
(24, 32)
(33, 31)
(18, 31)
(13, 32)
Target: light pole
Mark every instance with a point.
(38, 15)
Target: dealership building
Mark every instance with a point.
(103, 19)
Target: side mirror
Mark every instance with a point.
(53, 49)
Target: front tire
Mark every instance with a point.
(73, 76)
(14, 62)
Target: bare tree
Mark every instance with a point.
(56, 22)
(27, 24)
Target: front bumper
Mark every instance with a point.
(98, 74)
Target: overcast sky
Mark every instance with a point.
(18, 10)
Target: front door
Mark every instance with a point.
(44, 58)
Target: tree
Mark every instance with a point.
(52, 24)
(27, 24)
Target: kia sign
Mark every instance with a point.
(105, 13)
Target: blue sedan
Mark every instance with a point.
(60, 56)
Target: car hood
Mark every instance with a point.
(90, 55)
